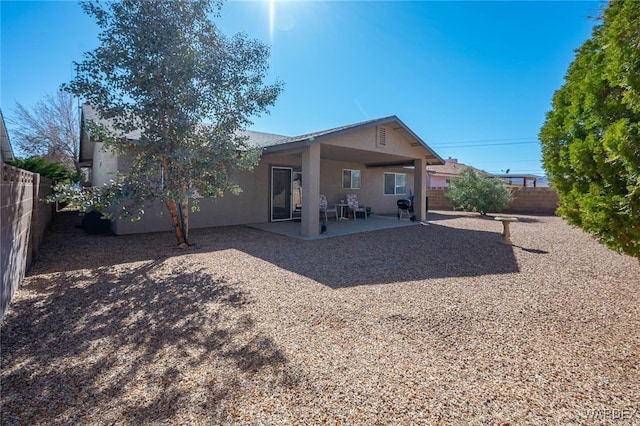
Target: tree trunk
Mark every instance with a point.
(185, 219)
(176, 222)
(78, 169)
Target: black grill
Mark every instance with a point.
(404, 205)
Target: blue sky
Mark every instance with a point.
(473, 79)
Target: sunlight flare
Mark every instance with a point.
(272, 18)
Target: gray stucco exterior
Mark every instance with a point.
(374, 148)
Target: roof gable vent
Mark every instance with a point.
(381, 140)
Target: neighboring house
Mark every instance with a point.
(439, 176)
(6, 152)
(515, 180)
(379, 160)
(542, 182)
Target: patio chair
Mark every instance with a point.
(355, 207)
(324, 208)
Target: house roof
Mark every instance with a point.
(272, 143)
(317, 137)
(6, 151)
(517, 176)
(261, 139)
(338, 130)
(88, 113)
(449, 169)
(266, 140)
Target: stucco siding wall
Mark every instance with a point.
(397, 142)
(371, 192)
(250, 206)
(105, 165)
(437, 182)
(383, 203)
(253, 204)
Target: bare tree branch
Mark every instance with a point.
(51, 129)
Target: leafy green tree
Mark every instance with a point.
(45, 167)
(475, 191)
(164, 68)
(591, 137)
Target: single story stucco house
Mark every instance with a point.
(379, 160)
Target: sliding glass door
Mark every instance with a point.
(281, 193)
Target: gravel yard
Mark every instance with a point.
(438, 324)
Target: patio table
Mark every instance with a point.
(342, 207)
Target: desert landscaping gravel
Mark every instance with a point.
(438, 325)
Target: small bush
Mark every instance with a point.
(44, 167)
(475, 191)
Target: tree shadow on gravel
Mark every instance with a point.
(143, 344)
(378, 257)
(67, 247)
(437, 216)
(392, 255)
(521, 219)
(448, 215)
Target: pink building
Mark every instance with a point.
(439, 176)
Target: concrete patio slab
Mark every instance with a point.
(337, 228)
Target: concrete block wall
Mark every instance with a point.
(525, 200)
(533, 200)
(23, 221)
(437, 199)
(16, 193)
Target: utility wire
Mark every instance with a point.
(503, 161)
(490, 140)
(481, 145)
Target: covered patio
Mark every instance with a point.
(337, 228)
(374, 149)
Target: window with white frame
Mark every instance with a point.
(350, 179)
(395, 183)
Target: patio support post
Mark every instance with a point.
(310, 226)
(419, 189)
